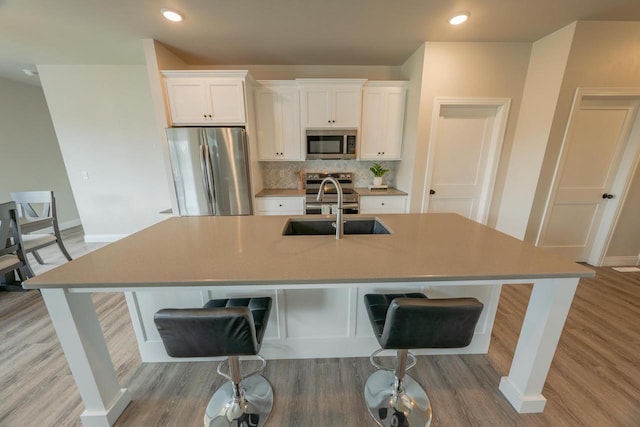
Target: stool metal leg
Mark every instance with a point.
(240, 402)
(395, 399)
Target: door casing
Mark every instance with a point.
(621, 182)
(502, 106)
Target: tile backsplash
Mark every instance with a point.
(272, 171)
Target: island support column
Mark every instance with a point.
(547, 311)
(76, 322)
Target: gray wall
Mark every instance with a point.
(603, 54)
(30, 157)
(104, 119)
(466, 70)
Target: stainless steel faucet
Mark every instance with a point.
(339, 224)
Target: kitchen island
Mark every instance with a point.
(317, 283)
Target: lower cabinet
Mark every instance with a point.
(382, 204)
(280, 206)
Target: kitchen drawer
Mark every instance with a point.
(280, 206)
(382, 204)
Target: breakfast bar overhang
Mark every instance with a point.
(230, 255)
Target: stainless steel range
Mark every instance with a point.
(350, 200)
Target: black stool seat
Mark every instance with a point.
(230, 327)
(401, 322)
(222, 327)
(405, 321)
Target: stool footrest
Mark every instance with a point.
(410, 356)
(227, 375)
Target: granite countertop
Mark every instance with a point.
(292, 192)
(251, 250)
(281, 192)
(364, 191)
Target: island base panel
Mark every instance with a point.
(309, 323)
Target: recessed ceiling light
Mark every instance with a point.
(30, 72)
(459, 18)
(171, 15)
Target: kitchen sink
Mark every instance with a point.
(326, 226)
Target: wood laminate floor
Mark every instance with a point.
(594, 378)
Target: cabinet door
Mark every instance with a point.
(371, 136)
(382, 204)
(227, 101)
(290, 133)
(316, 107)
(188, 101)
(278, 123)
(382, 123)
(266, 124)
(280, 205)
(346, 107)
(391, 145)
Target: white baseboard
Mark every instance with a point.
(103, 238)
(618, 261)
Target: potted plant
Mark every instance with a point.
(378, 172)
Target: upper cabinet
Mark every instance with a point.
(332, 103)
(278, 120)
(383, 105)
(206, 98)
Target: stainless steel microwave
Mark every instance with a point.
(331, 144)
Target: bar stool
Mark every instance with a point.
(401, 322)
(231, 328)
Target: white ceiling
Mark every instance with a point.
(279, 32)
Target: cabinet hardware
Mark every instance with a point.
(607, 196)
(432, 192)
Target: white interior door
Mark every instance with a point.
(466, 138)
(591, 177)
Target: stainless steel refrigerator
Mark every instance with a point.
(210, 170)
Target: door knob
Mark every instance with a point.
(432, 192)
(607, 196)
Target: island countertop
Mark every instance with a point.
(250, 250)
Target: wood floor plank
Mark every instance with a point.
(594, 379)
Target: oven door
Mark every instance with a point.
(325, 208)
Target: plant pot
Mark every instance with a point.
(377, 180)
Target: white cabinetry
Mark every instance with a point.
(383, 106)
(334, 103)
(280, 205)
(382, 204)
(278, 120)
(206, 98)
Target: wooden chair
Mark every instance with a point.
(33, 219)
(12, 256)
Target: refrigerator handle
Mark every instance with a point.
(210, 181)
(205, 175)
